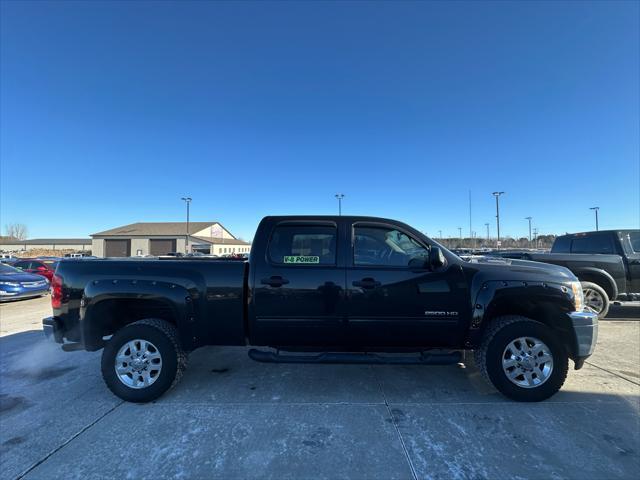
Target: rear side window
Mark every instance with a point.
(303, 245)
(592, 244)
(634, 238)
(561, 245)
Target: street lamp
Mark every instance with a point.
(460, 234)
(340, 196)
(529, 218)
(187, 200)
(595, 209)
(487, 225)
(497, 195)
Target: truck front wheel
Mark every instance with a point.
(522, 358)
(143, 360)
(596, 299)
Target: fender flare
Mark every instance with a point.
(176, 297)
(609, 286)
(553, 297)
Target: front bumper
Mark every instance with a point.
(585, 327)
(52, 328)
(20, 294)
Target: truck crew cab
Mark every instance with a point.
(326, 289)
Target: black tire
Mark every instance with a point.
(164, 336)
(589, 289)
(499, 334)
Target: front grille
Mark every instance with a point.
(33, 284)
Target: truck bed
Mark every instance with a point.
(207, 296)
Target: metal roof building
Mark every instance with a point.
(13, 244)
(160, 238)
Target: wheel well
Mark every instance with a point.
(109, 316)
(543, 312)
(599, 280)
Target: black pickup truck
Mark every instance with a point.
(607, 262)
(326, 289)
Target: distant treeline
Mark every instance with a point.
(542, 241)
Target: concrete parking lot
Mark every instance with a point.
(233, 418)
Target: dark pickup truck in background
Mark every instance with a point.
(607, 262)
(326, 289)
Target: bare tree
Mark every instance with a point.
(16, 230)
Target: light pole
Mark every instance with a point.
(529, 218)
(187, 200)
(595, 209)
(460, 234)
(487, 225)
(497, 195)
(535, 233)
(340, 196)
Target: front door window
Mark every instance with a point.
(387, 247)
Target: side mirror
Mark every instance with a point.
(436, 258)
(41, 269)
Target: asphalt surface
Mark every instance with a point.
(231, 417)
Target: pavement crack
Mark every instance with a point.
(613, 373)
(66, 442)
(395, 425)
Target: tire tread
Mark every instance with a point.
(171, 333)
(480, 355)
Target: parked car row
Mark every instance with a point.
(16, 284)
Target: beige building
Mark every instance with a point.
(13, 245)
(161, 238)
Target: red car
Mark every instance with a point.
(46, 268)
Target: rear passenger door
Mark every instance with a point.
(299, 288)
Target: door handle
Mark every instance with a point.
(275, 281)
(366, 283)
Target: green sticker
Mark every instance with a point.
(300, 259)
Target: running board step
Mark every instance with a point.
(425, 358)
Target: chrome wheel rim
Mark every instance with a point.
(593, 300)
(527, 362)
(138, 364)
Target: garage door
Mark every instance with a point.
(117, 248)
(162, 246)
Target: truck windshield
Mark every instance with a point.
(6, 269)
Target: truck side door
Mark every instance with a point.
(632, 241)
(299, 288)
(394, 298)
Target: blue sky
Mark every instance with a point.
(110, 112)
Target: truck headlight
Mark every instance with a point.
(578, 297)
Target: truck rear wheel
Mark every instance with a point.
(596, 299)
(522, 359)
(143, 360)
